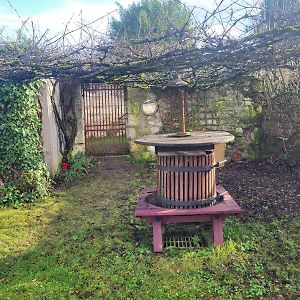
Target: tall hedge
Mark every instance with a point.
(23, 173)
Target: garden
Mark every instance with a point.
(72, 233)
(84, 242)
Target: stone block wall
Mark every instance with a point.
(220, 109)
(139, 124)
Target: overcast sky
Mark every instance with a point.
(53, 14)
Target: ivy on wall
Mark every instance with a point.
(23, 173)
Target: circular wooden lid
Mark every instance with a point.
(194, 139)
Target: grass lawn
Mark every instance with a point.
(85, 243)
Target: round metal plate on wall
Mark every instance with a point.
(149, 107)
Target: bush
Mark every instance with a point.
(142, 160)
(286, 161)
(78, 166)
(22, 168)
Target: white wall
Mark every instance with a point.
(50, 139)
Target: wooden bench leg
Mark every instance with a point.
(157, 235)
(218, 230)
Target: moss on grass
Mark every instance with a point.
(85, 243)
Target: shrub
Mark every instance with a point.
(22, 168)
(78, 166)
(286, 161)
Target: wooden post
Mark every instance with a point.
(157, 234)
(218, 230)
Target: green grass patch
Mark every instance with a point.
(110, 144)
(85, 243)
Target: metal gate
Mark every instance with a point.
(105, 119)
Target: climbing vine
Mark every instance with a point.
(23, 173)
(65, 114)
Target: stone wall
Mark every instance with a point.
(70, 94)
(219, 109)
(50, 136)
(281, 118)
(138, 123)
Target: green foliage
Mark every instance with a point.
(17, 43)
(286, 161)
(278, 13)
(149, 18)
(22, 168)
(141, 155)
(78, 166)
(142, 160)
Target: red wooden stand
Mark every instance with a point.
(157, 216)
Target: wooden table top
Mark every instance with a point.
(196, 138)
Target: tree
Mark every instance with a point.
(279, 13)
(279, 94)
(150, 18)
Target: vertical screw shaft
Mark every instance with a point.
(181, 112)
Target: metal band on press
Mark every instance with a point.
(186, 169)
(182, 203)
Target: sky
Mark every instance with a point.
(54, 14)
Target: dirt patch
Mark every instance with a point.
(262, 189)
(111, 166)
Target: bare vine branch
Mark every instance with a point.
(204, 50)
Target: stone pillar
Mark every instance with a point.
(79, 144)
(50, 138)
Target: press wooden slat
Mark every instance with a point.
(186, 180)
(162, 187)
(169, 187)
(195, 177)
(168, 179)
(202, 178)
(181, 179)
(172, 195)
(162, 174)
(210, 179)
(191, 179)
(199, 177)
(206, 179)
(165, 177)
(176, 179)
(158, 176)
(214, 178)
